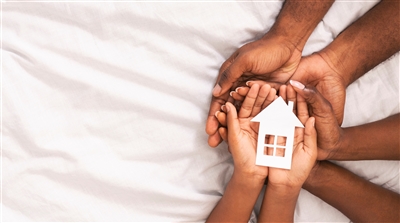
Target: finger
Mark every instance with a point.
(215, 105)
(302, 109)
(226, 64)
(221, 117)
(270, 98)
(229, 76)
(318, 105)
(232, 119)
(291, 96)
(262, 95)
(222, 69)
(214, 140)
(223, 108)
(275, 85)
(310, 137)
(223, 132)
(248, 103)
(282, 92)
(236, 96)
(242, 91)
(212, 123)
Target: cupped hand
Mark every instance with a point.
(242, 134)
(266, 96)
(304, 147)
(272, 58)
(314, 70)
(328, 128)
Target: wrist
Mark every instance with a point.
(248, 181)
(296, 25)
(341, 146)
(338, 66)
(284, 191)
(318, 176)
(291, 41)
(338, 145)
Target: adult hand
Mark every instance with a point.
(329, 131)
(314, 70)
(271, 58)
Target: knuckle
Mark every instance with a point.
(225, 75)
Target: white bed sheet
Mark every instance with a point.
(104, 107)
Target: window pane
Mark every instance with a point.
(273, 140)
(268, 151)
(281, 141)
(269, 139)
(280, 152)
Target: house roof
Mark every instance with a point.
(278, 113)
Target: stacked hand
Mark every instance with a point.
(271, 58)
(241, 134)
(316, 71)
(250, 63)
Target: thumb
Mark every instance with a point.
(310, 137)
(228, 76)
(313, 98)
(232, 119)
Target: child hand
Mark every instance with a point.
(240, 92)
(241, 134)
(305, 146)
(266, 96)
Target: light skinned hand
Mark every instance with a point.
(266, 96)
(304, 147)
(242, 133)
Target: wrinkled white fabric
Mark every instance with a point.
(104, 107)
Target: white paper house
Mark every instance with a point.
(276, 120)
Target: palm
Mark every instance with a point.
(245, 142)
(265, 59)
(314, 70)
(268, 61)
(279, 176)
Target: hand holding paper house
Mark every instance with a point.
(276, 120)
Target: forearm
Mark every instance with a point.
(358, 199)
(378, 140)
(367, 42)
(298, 19)
(279, 204)
(238, 200)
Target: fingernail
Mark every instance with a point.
(231, 93)
(313, 122)
(223, 107)
(237, 89)
(216, 114)
(216, 90)
(297, 84)
(247, 83)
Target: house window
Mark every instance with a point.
(275, 145)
